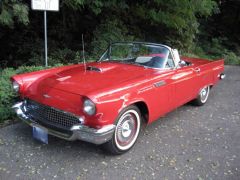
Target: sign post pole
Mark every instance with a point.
(45, 5)
(45, 37)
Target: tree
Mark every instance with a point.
(173, 22)
(177, 20)
(13, 10)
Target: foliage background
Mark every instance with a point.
(206, 28)
(203, 28)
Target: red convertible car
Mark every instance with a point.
(106, 102)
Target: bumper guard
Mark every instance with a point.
(79, 132)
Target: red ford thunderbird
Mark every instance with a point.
(106, 102)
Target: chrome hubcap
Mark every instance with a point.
(127, 130)
(204, 94)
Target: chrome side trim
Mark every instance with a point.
(160, 83)
(79, 132)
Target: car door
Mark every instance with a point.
(159, 96)
(162, 100)
(186, 85)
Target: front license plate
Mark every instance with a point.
(40, 134)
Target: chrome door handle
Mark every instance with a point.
(197, 70)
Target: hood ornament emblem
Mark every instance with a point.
(46, 96)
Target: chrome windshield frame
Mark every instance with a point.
(137, 42)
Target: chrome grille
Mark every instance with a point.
(50, 116)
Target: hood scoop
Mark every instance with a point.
(92, 68)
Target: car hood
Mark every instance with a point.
(97, 77)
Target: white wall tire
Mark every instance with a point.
(202, 96)
(128, 126)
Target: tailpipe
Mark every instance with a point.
(222, 76)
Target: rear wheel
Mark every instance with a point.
(202, 96)
(128, 125)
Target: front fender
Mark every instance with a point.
(109, 107)
(25, 80)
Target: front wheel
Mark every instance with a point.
(202, 96)
(128, 125)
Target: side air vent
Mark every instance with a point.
(91, 68)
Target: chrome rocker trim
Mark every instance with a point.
(79, 132)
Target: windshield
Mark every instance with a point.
(149, 55)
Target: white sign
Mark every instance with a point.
(45, 5)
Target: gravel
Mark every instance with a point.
(188, 143)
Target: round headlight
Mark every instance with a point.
(15, 86)
(89, 107)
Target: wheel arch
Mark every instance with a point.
(143, 107)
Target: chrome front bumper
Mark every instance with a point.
(79, 132)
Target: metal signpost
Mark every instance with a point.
(45, 5)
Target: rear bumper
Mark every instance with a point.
(79, 132)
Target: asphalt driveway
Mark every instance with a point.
(189, 143)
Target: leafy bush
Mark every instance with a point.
(58, 56)
(231, 58)
(7, 95)
(26, 69)
(215, 50)
(64, 56)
